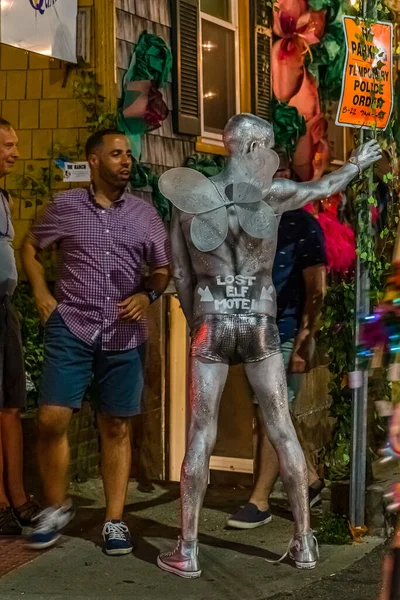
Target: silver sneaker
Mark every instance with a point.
(304, 550)
(182, 561)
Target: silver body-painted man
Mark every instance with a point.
(223, 252)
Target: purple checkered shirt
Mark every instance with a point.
(102, 255)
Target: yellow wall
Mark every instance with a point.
(36, 97)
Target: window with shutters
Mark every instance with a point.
(219, 67)
(222, 52)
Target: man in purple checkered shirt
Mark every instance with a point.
(95, 324)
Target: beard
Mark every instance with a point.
(112, 179)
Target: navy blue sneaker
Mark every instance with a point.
(48, 526)
(250, 517)
(117, 539)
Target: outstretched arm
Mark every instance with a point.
(288, 195)
(182, 268)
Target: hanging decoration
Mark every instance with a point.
(307, 65)
(297, 28)
(143, 176)
(289, 126)
(311, 155)
(339, 236)
(331, 7)
(143, 107)
(326, 62)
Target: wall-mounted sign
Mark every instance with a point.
(77, 171)
(367, 89)
(43, 26)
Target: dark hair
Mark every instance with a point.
(5, 124)
(96, 139)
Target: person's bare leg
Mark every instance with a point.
(116, 459)
(11, 435)
(312, 474)
(3, 498)
(53, 452)
(268, 380)
(267, 466)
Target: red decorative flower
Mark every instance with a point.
(157, 110)
(299, 28)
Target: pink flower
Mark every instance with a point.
(299, 28)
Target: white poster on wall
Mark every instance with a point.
(44, 26)
(78, 171)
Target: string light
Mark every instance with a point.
(209, 46)
(209, 95)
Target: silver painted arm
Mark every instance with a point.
(182, 267)
(289, 195)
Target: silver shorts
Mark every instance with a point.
(234, 339)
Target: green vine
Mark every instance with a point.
(334, 529)
(40, 182)
(374, 249)
(336, 337)
(86, 90)
(32, 335)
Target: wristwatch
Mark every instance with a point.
(152, 295)
(354, 161)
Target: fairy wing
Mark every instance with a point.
(193, 193)
(209, 230)
(257, 219)
(255, 173)
(257, 169)
(189, 190)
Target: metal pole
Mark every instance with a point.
(360, 394)
(359, 412)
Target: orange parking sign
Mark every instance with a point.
(367, 88)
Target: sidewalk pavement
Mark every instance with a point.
(233, 562)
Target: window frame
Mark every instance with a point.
(209, 141)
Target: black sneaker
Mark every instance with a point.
(27, 513)
(8, 522)
(249, 517)
(314, 492)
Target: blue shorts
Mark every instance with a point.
(70, 364)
